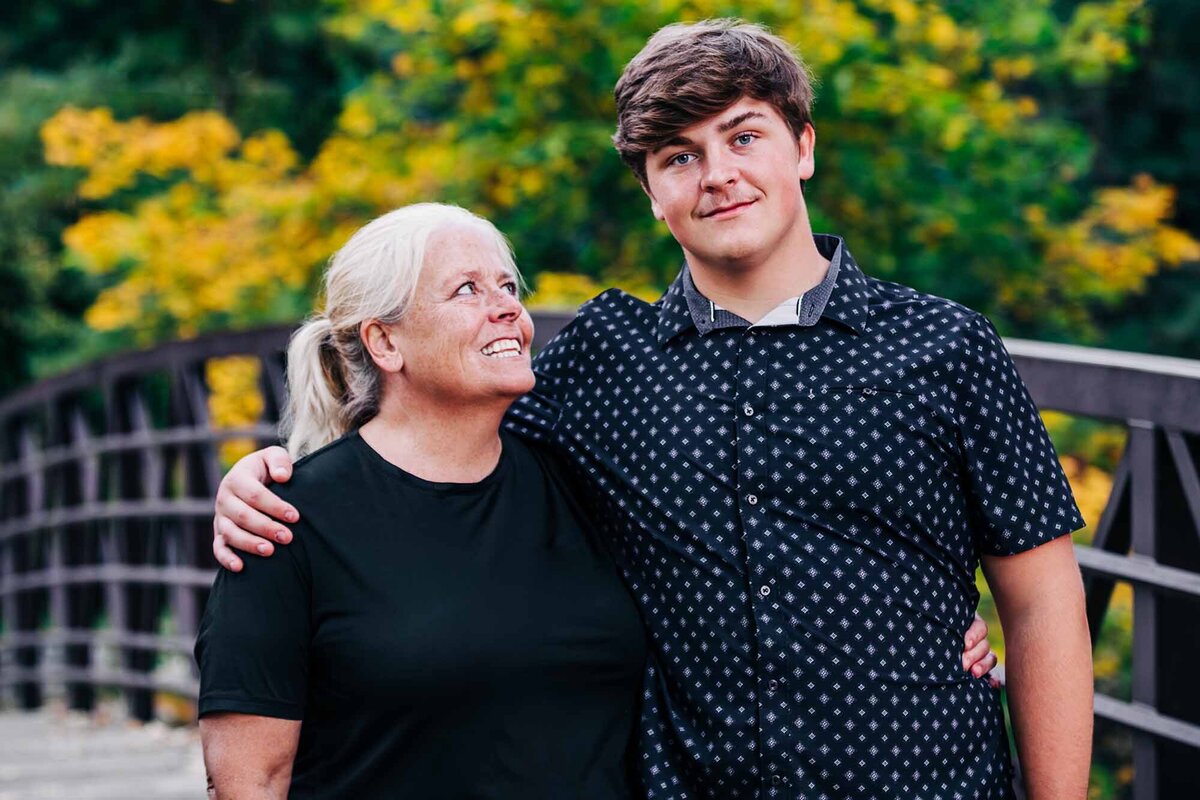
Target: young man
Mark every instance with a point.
(799, 468)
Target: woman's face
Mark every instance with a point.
(466, 336)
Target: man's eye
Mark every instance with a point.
(681, 159)
(745, 138)
(466, 288)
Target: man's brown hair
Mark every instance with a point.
(689, 72)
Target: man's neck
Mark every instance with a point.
(752, 290)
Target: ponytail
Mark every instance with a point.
(316, 391)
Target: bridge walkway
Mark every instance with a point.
(52, 753)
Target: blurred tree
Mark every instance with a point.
(937, 158)
(259, 63)
(1147, 120)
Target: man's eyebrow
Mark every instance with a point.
(724, 127)
(672, 142)
(730, 124)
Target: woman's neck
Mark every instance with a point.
(459, 446)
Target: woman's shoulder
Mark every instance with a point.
(537, 464)
(333, 466)
(530, 457)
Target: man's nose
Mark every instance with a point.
(719, 171)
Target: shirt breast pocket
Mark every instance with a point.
(864, 447)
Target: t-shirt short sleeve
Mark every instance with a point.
(254, 637)
(1020, 495)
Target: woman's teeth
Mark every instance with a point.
(502, 348)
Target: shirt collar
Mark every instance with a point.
(843, 296)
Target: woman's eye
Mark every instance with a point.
(511, 288)
(466, 288)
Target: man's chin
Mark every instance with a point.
(734, 257)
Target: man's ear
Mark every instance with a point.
(806, 145)
(655, 209)
(382, 342)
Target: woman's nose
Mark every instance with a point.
(505, 305)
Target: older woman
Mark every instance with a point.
(444, 625)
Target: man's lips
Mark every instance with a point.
(728, 209)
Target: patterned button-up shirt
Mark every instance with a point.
(799, 511)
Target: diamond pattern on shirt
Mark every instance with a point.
(799, 511)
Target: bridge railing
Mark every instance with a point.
(106, 482)
(1148, 536)
(107, 476)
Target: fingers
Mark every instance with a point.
(972, 656)
(976, 633)
(244, 486)
(976, 647)
(237, 539)
(260, 499)
(279, 464)
(245, 508)
(984, 666)
(225, 557)
(246, 529)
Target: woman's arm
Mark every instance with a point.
(248, 757)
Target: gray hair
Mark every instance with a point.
(333, 384)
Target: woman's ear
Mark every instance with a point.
(383, 344)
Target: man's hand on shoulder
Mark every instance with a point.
(248, 513)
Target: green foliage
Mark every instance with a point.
(138, 57)
(935, 157)
(1148, 120)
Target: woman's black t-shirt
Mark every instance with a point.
(437, 640)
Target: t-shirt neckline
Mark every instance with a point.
(439, 487)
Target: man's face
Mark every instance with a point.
(728, 187)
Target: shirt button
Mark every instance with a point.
(773, 685)
(752, 499)
(764, 590)
(776, 780)
(748, 410)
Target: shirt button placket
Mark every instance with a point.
(751, 389)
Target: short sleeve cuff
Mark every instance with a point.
(1014, 544)
(213, 703)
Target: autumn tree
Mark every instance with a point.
(260, 65)
(936, 159)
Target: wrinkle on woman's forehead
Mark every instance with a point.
(462, 243)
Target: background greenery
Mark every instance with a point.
(174, 168)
